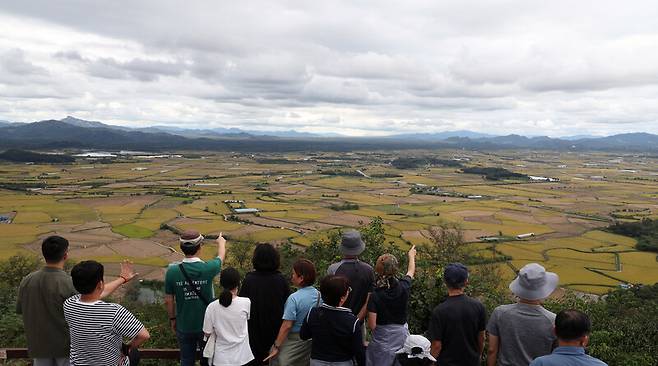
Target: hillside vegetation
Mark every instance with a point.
(23, 156)
(625, 322)
(645, 231)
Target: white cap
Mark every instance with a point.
(417, 346)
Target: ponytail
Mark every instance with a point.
(226, 298)
(229, 279)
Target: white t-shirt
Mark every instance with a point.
(231, 331)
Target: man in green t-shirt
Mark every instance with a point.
(188, 290)
(40, 298)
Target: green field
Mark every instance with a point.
(111, 211)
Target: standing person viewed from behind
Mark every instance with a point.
(359, 274)
(388, 309)
(457, 325)
(335, 332)
(97, 327)
(188, 291)
(572, 329)
(288, 348)
(41, 296)
(226, 321)
(521, 332)
(268, 290)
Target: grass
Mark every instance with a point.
(269, 235)
(133, 231)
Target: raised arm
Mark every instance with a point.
(221, 247)
(127, 274)
(411, 267)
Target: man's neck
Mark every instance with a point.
(530, 302)
(350, 257)
(455, 291)
(93, 297)
(58, 265)
(192, 256)
(576, 343)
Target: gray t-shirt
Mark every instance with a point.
(525, 332)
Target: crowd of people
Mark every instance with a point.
(357, 317)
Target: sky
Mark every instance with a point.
(361, 68)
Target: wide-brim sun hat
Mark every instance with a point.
(534, 282)
(351, 243)
(417, 346)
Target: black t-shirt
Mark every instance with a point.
(457, 322)
(268, 292)
(391, 304)
(361, 278)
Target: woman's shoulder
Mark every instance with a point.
(242, 300)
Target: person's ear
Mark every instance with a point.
(466, 282)
(585, 340)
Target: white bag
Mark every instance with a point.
(209, 349)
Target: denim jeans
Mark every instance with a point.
(188, 343)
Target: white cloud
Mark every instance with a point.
(358, 67)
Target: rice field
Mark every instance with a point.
(132, 200)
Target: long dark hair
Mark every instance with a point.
(228, 279)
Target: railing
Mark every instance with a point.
(146, 353)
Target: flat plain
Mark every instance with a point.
(129, 207)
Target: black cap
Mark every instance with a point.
(455, 274)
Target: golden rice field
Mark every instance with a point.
(115, 211)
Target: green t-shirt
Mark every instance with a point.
(40, 298)
(190, 309)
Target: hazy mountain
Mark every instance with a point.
(442, 135)
(90, 124)
(578, 137)
(191, 132)
(76, 133)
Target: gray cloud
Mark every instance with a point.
(503, 66)
(16, 69)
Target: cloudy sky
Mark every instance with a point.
(355, 67)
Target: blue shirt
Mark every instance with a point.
(299, 304)
(568, 356)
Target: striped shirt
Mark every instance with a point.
(97, 331)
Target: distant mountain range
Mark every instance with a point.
(77, 133)
(213, 132)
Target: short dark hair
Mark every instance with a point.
(332, 288)
(305, 268)
(190, 250)
(54, 248)
(266, 258)
(86, 276)
(572, 324)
